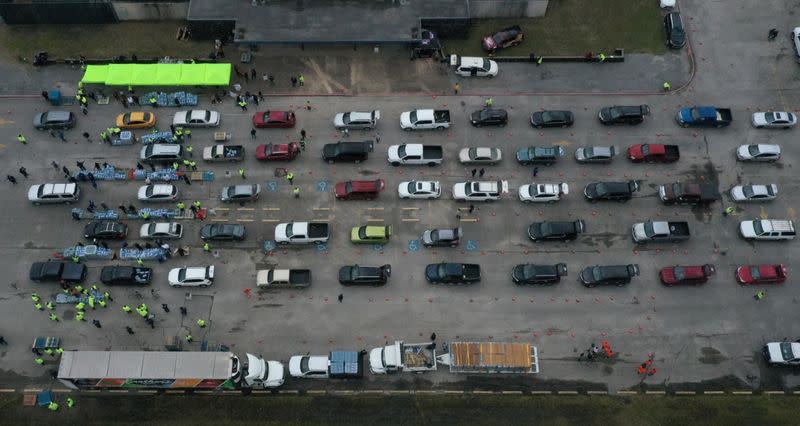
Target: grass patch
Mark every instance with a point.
(574, 27)
(430, 409)
(145, 39)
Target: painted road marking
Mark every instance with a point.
(374, 220)
(270, 220)
(321, 209)
(469, 219)
(244, 220)
(409, 220)
(271, 209)
(472, 245)
(322, 186)
(245, 209)
(375, 208)
(219, 220)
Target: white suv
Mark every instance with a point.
(767, 229)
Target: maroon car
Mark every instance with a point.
(686, 275)
(273, 119)
(277, 151)
(359, 189)
(506, 37)
(761, 274)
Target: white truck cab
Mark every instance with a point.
(782, 353)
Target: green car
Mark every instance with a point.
(371, 234)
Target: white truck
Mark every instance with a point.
(302, 233)
(782, 353)
(425, 119)
(283, 278)
(401, 356)
(415, 154)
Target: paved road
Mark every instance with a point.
(712, 332)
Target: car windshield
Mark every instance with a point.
(289, 229)
(649, 230)
(551, 116)
(679, 273)
(362, 232)
(126, 118)
(346, 118)
(413, 117)
(348, 187)
(182, 274)
(597, 274)
(412, 187)
(753, 150)
(435, 235)
(786, 351)
(615, 113)
(757, 228)
(354, 273)
(546, 228)
(601, 189)
(149, 191)
(401, 151)
(470, 188)
(304, 364)
(529, 271)
(441, 270)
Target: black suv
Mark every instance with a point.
(546, 155)
(559, 231)
(618, 191)
(620, 114)
(105, 230)
(618, 275)
(364, 275)
(489, 117)
(346, 152)
(673, 27)
(538, 274)
(125, 275)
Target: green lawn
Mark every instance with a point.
(145, 39)
(573, 27)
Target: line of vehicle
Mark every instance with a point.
(335, 392)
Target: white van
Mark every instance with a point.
(470, 66)
(49, 193)
(767, 229)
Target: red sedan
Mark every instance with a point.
(686, 275)
(761, 274)
(273, 119)
(277, 151)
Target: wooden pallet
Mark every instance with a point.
(491, 355)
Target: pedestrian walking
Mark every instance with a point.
(53, 317)
(80, 165)
(21, 139)
(260, 96)
(189, 150)
(131, 209)
(183, 310)
(471, 208)
(87, 136)
(296, 192)
(481, 172)
(458, 216)
(97, 323)
(252, 133)
(201, 323)
(3, 341)
(293, 79)
(24, 172)
(45, 95)
(535, 171)
(666, 86)
(165, 307)
(474, 171)
(129, 329)
(456, 88)
(290, 177)
(488, 102)
(241, 172)
(11, 179)
(341, 297)
(301, 81)
(773, 33)
(433, 337)
(92, 181)
(65, 170)
(123, 209)
(206, 247)
(728, 211)
(54, 164)
(61, 136)
(377, 137)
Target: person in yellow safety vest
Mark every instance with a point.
(241, 172)
(79, 316)
(174, 139)
(189, 338)
(35, 297)
(53, 317)
(175, 165)
(153, 101)
(201, 323)
(602, 57)
(196, 204)
(80, 84)
(95, 288)
(83, 99)
(38, 306)
(107, 295)
(80, 306)
(140, 262)
(91, 302)
(70, 403)
(50, 305)
(48, 351)
(206, 247)
(146, 215)
(127, 309)
(59, 350)
(102, 302)
(188, 133)
(22, 139)
(75, 258)
(117, 130)
(52, 406)
(190, 150)
(103, 135)
(193, 165)
(296, 192)
(39, 361)
(79, 288)
(666, 86)
(179, 131)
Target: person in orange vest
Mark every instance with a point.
(642, 369)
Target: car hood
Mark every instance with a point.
(426, 236)
(579, 154)
(684, 115)
(205, 231)
(535, 230)
(344, 273)
(294, 366)
(376, 361)
(432, 270)
(522, 154)
(667, 275)
(587, 276)
(605, 113)
(746, 228)
(338, 119)
(635, 150)
(38, 118)
(518, 272)
(405, 119)
(173, 275)
(743, 151)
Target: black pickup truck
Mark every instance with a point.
(65, 272)
(453, 273)
(125, 275)
(688, 193)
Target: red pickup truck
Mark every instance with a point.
(653, 153)
(277, 151)
(359, 189)
(686, 275)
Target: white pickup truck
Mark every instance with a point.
(425, 119)
(782, 353)
(401, 356)
(302, 233)
(415, 154)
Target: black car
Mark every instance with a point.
(538, 274)
(448, 237)
(364, 275)
(622, 114)
(546, 118)
(125, 275)
(489, 117)
(105, 230)
(546, 155)
(616, 191)
(453, 273)
(222, 232)
(673, 27)
(54, 120)
(618, 275)
(555, 231)
(346, 152)
(65, 272)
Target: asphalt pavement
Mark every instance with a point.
(696, 333)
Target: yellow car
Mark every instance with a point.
(371, 234)
(136, 120)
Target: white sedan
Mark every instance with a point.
(744, 193)
(796, 41)
(480, 155)
(155, 193)
(542, 192)
(774, 120)
(421, 189)
(309, 366)
(196, 118)
(161, 230)
(195, 276)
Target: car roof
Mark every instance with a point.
(197, 113)
(365, 185)
(59, 188)
(358, 115)
(243, 189)
(58, 115)
(166, 148)
(487, 186)
(613, 271)
(318, 363)
(277, 115)
(163, 226)
(162, 189)
(769, 148)
(196, 272)
(471, 61)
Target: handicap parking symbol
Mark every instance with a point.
(413, 245)
(377, 247)
(322, 247)
(272, 185)
(472, 245)
(322, 185)
(269, 245)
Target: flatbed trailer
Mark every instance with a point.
(490, 357)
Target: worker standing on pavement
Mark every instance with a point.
(241, 172)
(296, 192)
(201, 323)
(666, 86)
(22, 139)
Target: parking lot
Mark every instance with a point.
(710, 332)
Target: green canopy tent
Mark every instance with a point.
(158, 74)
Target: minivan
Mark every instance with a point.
(673, 27)
(49, 193)
(767, 229)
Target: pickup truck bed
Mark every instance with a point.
(283, 278)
